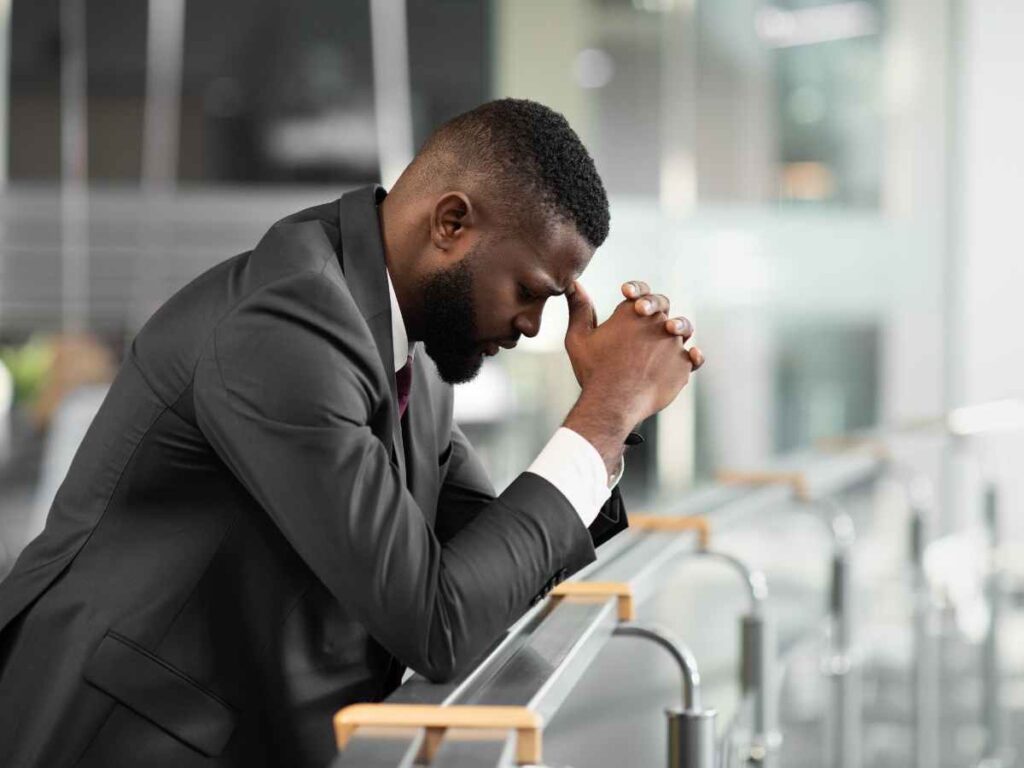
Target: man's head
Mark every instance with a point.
(501, 209)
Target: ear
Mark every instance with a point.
(450, 218)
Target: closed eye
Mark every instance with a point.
(526, 295)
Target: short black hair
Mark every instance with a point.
(526, 150)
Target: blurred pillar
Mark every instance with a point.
(5, 88)
(161, 123)
(391, 89)
(165, 43)
(678, 177)
(74, 136)
(536, 45)
(989, 359)
(922, 185)
(74, 144)
(735, 144)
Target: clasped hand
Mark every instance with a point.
(637, 360)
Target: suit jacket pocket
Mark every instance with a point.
(160, 693)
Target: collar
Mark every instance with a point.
(362, 254)
(399, 337)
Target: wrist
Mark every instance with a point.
(603, 427)
(599, 416)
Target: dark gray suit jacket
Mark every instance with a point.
(248, 538)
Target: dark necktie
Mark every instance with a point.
(403, 382)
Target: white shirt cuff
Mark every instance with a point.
(571, 464)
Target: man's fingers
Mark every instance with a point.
(679, 326)
(582, 315)
(635, 289)
(652, 304)
(696, 357)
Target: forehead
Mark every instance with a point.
(557, 248)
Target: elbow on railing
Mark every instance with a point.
(435, 658)
(446, 648)
(438, 672)
(440, 661)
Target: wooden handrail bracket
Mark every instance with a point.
(437, 719)
(619, 589)
(796, 480)
(679, 523)
(873, 446)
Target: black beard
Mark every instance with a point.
(449, 322)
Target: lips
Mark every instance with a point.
(491, 348)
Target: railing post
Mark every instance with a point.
(691, 738)
(842, 740)
(925, 669)
(757, 659)
(992, 710)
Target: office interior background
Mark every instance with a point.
(830, 190)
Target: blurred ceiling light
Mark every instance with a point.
(807, 181)
(593, 68)
(997, 416)
(780, 28)
(345, 136)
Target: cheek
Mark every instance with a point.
(496, 304)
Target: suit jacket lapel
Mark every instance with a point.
(362, 261)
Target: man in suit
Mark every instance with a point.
(272, 514)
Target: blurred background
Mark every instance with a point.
(830, 190)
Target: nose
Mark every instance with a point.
(528, 324)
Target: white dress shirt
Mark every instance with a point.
(568, 461)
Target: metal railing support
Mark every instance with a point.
(925, 669)
(843, 727)
(991, 675)
(758, 654)
(757, 639)
(757, 660)
(691, 730)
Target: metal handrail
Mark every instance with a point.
(550, 648)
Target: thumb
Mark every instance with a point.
(582, 315)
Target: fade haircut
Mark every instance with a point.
(518, 150)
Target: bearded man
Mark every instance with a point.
(273, 515)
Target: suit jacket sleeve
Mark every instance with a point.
(288, 392)
(467, 490)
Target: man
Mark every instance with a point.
(272, 513)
